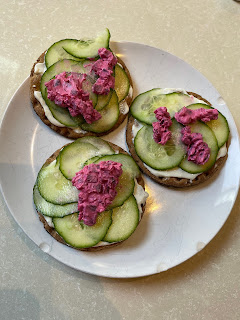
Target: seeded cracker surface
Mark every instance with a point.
(35, 80)
(53, 232)
(172, 181)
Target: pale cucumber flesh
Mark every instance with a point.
(110, 115)
(157, 156)
(79, 235)
(52, 210)
(122, 83)
(88, 48)
(125, 220)
(54, 187)
(145, 104)
(210, 138)
(219, 127)
(56, 53)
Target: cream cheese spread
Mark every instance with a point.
(48, 114)
(40, 68)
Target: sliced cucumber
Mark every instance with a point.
(126, 183)
(210, 138)
(145, 104)
(103, 100)
(122, 83)
(124, 189)
(219, 127)
(110, 115)
(54, 187)
(52, 210)
(79, 235)
(68, 66)
(62, 114)
(74, 155)
(128, 164)
(157, 156)
(88, 48)
(59, 67)
(99, 143)
(125, 220)
(56, 53)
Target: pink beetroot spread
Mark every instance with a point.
(186, 116)
(197, 150)
(97, 188)
(66, 91)
(161, 132)
(103, 68)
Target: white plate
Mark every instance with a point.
(177, 223)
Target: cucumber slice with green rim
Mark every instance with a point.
(52, 210)
(122, 83)
(157, 156)
(88, 48)
(68, 66)
(145, 104)
(124, 189)
(110, 115)
(62, 114)
(125, 220)
(103, 100)
(219, 127)
(128, 164)
(74, 155)
(99, 143)
(59, 67)
(79, 235)
(56, 53)
(210, 138)
(126, 182)
(54, 187)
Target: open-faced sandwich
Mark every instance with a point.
(90, 194)
(80, 87)
(176, 137)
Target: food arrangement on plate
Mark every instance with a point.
(176, 137)
(80, 87)
(90, 194)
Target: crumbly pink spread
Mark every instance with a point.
(186, 116)
(66, 91)
(197, 150)
(161, 132)
(97, 188)
(103, 68)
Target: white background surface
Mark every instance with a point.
(35, 286)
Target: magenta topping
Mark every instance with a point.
(66, 91)
(197, 150)
(103, 68)
(161, 132)
(97, 188)
(186, 116)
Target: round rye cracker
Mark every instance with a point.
(35, 80)
(171, 181)
(53, 232)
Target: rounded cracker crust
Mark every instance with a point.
(172, 181)
(35, 80)
(54, 233)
